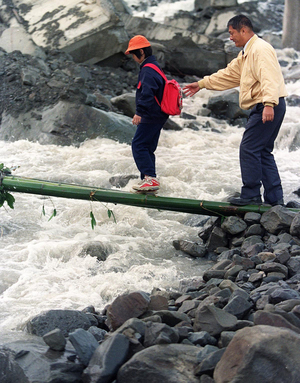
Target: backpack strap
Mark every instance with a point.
(158, 71)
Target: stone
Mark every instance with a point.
(276, 219)
(234, 225)
(269, 267)
(252, 218)
(256, 354)
(208, 365)
(213, 320)
(295, 226)
(125, 307)
(273, 319)
(65, 320)
(238, 306)
(281, 294)
(160, 333)
(10, 371)
(92, 38)
(95, 249)
(202, 338)
(107, 359)
(84, 343)
(191, 248)
(55, 340)
(217, 238)
(161, 363)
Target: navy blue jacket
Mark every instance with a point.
(150, 84)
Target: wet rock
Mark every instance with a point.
(273, 319)
(193, 249)
(226, 106)
(213, 320)
(276, 219)
(10, 371)
(65, 320)
(249, 351)
(159, 333)
(84, 343)
(161, 363)
(55, 340)
(107, 359)
(125, 307)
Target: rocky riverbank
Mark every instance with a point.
(239, 323)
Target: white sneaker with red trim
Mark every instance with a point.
(147, 184)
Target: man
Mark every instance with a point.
(148, 116)
(257, 72)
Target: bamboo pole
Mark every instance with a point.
(184, 205)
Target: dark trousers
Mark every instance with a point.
(143, 146)
(256, 159)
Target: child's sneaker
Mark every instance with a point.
(148, 183)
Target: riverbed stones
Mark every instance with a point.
(276, 219)
(107, 359)
(172, 363)
(55, 340)
(261, 351)
(125, 307)
(65, 320)
(213, 320)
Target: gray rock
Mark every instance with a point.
(238, 306)
(10, 371)
(196, 250)
(280, 294)
(202, 338)
(95, 249)
(107, 359)
(84, 343)
(217, 238)
(276, 219)
(257, 352)
(295, 226)
(252, 218)
(55, 340)
(213, 320)
(172, 363)
(225, 105)
(159, 333)
(65, 320)
(273, 267)
(208, 365)
(273, 319)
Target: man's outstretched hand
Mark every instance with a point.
(190, 89)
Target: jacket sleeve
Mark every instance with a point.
(226, 78)
(149, 89)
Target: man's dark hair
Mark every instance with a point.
(147, 51)
(240, 21)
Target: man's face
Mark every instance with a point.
(237, 36)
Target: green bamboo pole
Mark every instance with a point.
(184, 205)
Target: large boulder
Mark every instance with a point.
(270, 354)
(90, 31)
(66, 124)
(172, 363)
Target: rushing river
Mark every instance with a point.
(40, 263)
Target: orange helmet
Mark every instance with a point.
(137, 42)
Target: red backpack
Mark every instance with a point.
(171, 102)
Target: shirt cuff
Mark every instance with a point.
(201, 84)
(269, 104)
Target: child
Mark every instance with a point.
(148, 116)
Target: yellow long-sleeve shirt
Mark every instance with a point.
(257, 72)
